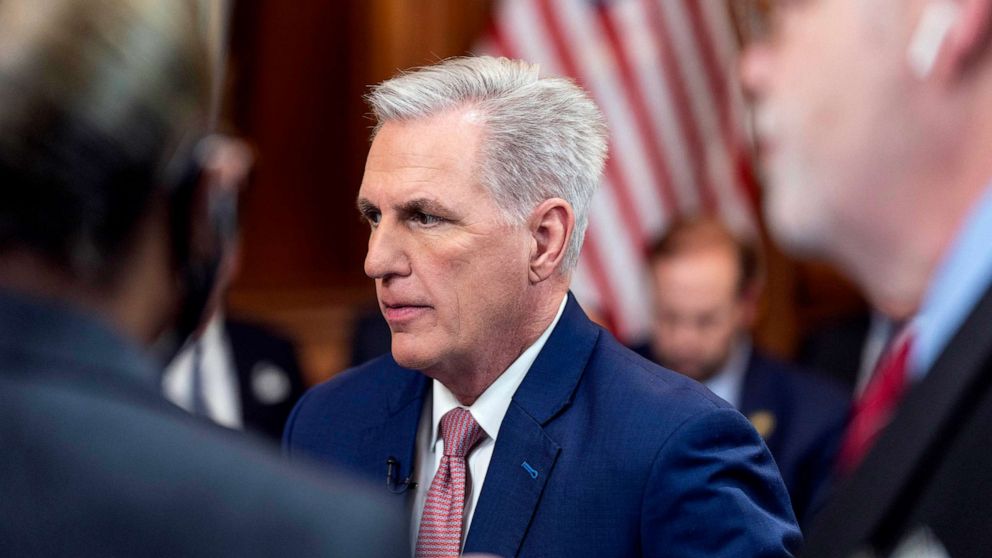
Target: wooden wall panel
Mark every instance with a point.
(298, 73)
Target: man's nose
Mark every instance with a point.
(685, 339)
(386, 256)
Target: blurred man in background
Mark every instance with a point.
(705, 290)
(114, 208)
(237, 373)
(505, 419)
(874, 123)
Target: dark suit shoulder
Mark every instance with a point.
(647, 382)
(683, 445)
(83, 459)
(373, 383)
(351, 402)
(805, 393)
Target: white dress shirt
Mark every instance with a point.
(488, 410)
(728, 383)
(220, 380)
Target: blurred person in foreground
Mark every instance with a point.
(705, 289)
(504, 420)
(875, 129)
(114, 206)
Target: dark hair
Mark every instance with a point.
(96, 101)
(688, 234)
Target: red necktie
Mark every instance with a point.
(873, 410)
(440, 532)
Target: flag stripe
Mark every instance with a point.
(641, 45)
(662, 72)
(567, 59)
(591, 263)
(690, 128)
(705, 27)
(653, 141)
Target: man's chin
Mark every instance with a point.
(794, 227)
(408, 353)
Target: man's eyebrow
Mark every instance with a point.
(365, 206)
(422, 205)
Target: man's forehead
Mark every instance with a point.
(457, 129)
(713, 270)
(402, 179)
(422, 149)
(758, 20)
(410, 158)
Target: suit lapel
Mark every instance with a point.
(519, 469)
(754, 387)
(395, 438)
(875, 502)
(760, 401)
(525, 454)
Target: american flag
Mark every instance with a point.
(664, 74)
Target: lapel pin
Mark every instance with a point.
(530, 470)
(763, 422)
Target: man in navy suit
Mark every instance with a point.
(705, 289)
(504, 420)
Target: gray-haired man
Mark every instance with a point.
(504, 419)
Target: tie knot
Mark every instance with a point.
(460, 432)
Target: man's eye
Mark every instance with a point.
(373, 218)
(426, 218)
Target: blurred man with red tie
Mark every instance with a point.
(875, 128)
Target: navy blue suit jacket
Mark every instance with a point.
(801, 417)
(96, 463)
(807, 419)
(601, 453)
(256, 349)
(929, 474)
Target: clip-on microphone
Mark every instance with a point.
(392, 472)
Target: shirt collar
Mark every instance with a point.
(959, 281)
(726, 384)
(213, 333)
(490, 408)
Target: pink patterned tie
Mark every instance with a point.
(440, 532)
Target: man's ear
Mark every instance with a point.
(969, 38)
(551, 226)
(948, 36)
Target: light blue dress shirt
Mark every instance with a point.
(964, 274)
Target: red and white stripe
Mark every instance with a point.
(663, 73)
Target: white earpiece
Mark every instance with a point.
(937, 19)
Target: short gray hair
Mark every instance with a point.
(544, 138)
